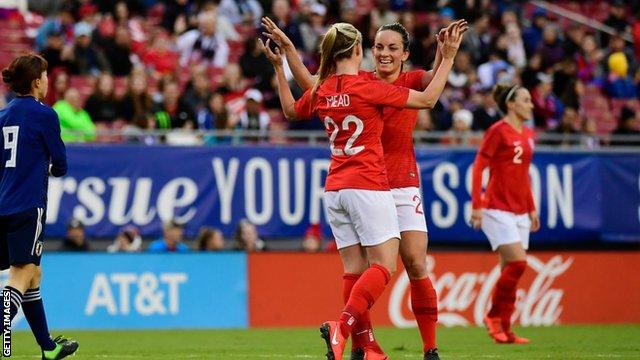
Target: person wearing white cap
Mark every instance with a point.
(460, 131)
(253, 117)
(313, 29)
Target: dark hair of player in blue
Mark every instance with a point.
(23, 71)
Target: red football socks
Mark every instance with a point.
(364, 293)
(504, 294)
(424, 303)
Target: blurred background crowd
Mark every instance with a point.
(186, 66)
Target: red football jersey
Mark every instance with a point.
(508, 155)
(350, 108)
(397, 135)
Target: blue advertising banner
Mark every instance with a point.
(580, 196)
(143, 291)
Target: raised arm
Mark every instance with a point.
(300, 72)
(428, 98)
(426, 79)
(284, 92)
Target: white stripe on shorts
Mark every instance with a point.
(38, 230)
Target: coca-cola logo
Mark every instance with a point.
(464, 299)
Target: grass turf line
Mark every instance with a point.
(560, 342)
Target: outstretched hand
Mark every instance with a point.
(453, 35)
(275, 57)
(274, 33)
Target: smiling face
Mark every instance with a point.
(389, 52)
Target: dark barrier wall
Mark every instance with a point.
(581, 196)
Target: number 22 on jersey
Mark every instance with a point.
(10, 134)
(349, 149)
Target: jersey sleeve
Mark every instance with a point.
(303, 106)
(489, 145)
(51, 135)
(415, 79)
(384, 94)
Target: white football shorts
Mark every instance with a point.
(365, 217)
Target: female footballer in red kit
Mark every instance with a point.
(506, 212)
(390, 51)
(360, 206)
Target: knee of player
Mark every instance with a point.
(416, 267)
(36, 278)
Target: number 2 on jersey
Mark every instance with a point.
(349, 149)
(10, 134)
(517, 157)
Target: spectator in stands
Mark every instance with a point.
(173, 11)
(477, 40)
(224, 26)
(564, 133)
(75, 123)
(547, 109)
(514, 46)
(281, 15)
(488, 72)
(312, 241)
(136, 100)
(171, 112)
(590, 138)
(203, 45)
(58, 85)
(137, 130)
(87, 59)
(76, 239)
(127, 240)
(381, 14)
(551, 48)
(617, 20)
(459, 75)
(573, 41)
(247, 239)
(160, 59)
(241, 12)
(588, 60)
(133, 25)
(566, 84)
(57, 53)
(460, 133)
(118, 52)
(314, 28)
(102, 105)
(233, 87)
(636, 35)
(619, 84)
(209, 239)
(62, 23)
(254, 118)
(255, 65)
(532, 35)
(216, 115)
(172, 239)
(628, 125)
(618, 44)
(198, 90)
(487, 113)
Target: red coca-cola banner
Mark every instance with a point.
(557, 288)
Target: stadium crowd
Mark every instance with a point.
(185, 65)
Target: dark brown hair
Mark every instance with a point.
(503, 93)
(401, 30)
(22, 71)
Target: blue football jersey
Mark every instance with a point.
(29, 143)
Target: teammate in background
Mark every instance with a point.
(507, 212)
(391, 50)
(30, 150)
(360, 206)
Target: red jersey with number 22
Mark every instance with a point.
(508, 155)
(350, 106)
(397, 135)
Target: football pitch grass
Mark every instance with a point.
(559, 342)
